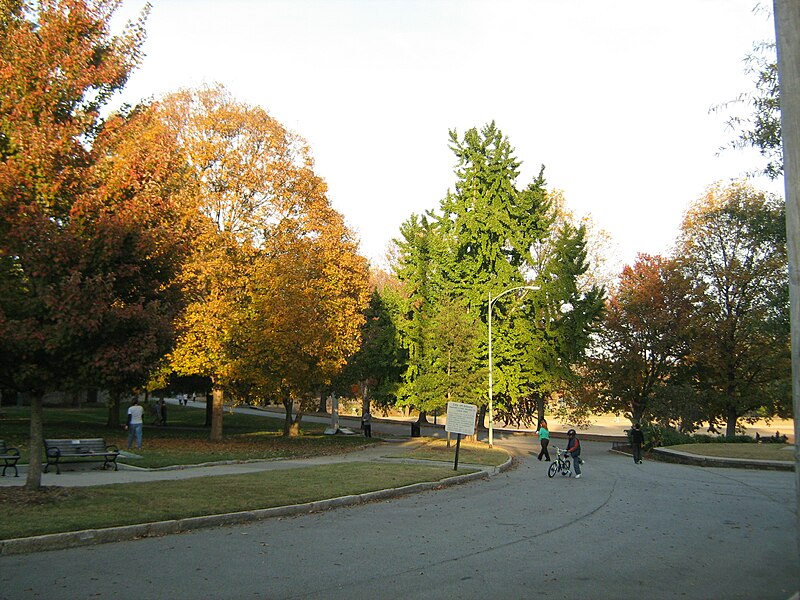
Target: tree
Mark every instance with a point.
(488, 227)
(761, 128)
(252, 177)
(139, 222)
(309, 291)
(278, 287)
(643, 340)
(417, 267)
(479, 245)
(84, 264)
(377, 366)
(733, 245)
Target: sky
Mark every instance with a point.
(612, 97)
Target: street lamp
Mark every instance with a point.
(491, 302)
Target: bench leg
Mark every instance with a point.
(16, 472)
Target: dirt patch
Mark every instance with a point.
(19, 496)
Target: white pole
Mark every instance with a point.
(492, 301)
(787, 38)
(491, 415)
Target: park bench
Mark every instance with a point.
(61, 451)
(10, 457)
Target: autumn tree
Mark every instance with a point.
(644, 338)
(275, 275)
(733, 246)
(84, 261)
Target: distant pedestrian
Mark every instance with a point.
(544, 440)
(134, 424)
(366, 424)
(637, 439)
(574, 450)
(163, 411)
(156, 413)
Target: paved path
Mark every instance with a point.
(623, 531)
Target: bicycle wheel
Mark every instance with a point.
(551, 472)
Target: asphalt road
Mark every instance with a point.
(655, 531)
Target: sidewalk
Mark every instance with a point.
(97, 476)
(90, 474)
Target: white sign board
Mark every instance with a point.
(461, 418)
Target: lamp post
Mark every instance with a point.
(491, 302)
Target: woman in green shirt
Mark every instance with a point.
(544, 439)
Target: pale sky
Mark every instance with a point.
(612, 96)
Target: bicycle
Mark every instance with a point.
(561, 465)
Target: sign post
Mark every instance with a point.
(460, 420)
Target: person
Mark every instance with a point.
(163, 411)
(544, 440)
(637, 439)
(574, 450)
(366, 424)
(156, 411)
(134, 424)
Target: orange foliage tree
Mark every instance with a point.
(273, 273)
(87, 229)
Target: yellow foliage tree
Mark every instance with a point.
(278, 286)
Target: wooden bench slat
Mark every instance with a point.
(78, 450)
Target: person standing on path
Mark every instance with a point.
(574, 450)
(544, 440)
(134, 424)
(366, 424)
(637, 439)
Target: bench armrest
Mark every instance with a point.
(112, 448)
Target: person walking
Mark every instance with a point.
(134, 424)
(574, 450)
(544, 440)
(637, 440)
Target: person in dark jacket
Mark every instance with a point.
(574, 450)
(637, 440)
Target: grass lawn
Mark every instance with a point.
(752, 451)
(469, 452)
(184, 441)
(54, 509)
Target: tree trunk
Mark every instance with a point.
(113, 421)
(91, 396)
(209, 407)
(482, 417)
(294, 429)
(539, 410)
(423, 417)
(287, 419)
(217, 401)
(35, 448)
(364, 397)
(730, 427)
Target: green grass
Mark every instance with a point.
(184, 441)
(751, 451)
(54, 510)
(469, 452)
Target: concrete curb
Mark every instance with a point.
(685, 458)
(88, 537)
